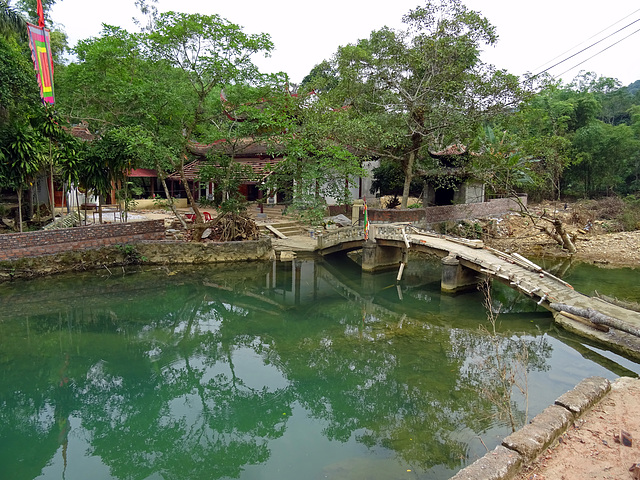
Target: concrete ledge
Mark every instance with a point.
(499, 464)
(144, 252)
(523, 446)
(535, 437)
(584, 395)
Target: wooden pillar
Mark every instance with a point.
(457, 278)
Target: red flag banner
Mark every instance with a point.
(40, 14)
(366, 221)
(41, 54)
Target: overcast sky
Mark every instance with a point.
(532, 33)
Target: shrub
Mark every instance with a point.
(630, 216)
(615, 213)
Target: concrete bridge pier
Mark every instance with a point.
(380, 257)
(456, 277)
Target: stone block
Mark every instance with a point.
(532, 439)
(584, 395)
(287, 256)
(499, 464)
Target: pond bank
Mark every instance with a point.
(525, 453)
(146, 252)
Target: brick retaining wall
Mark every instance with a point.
(498, 206)
(33, 244)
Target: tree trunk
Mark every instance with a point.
(408, 176)
(99, 210)
(564, 236)
(185, 184)
(20, 209)
(78, 205)
(37, 203)
(558, 233)
(620, 303)
(126, 203)
(416, 143)
(30, 202)
(597, 317)
(202, 95)
(171, 205)
(52, 203)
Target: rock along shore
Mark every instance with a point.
(523, 447)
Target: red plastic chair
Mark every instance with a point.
(192, 216)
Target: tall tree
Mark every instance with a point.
(317, 165)
(22, 154)
(607, 157)
(48, 124)
(111, 157)
(114, 84)
(212, 52)
(18, 87)
(11, 21)
(425, 86)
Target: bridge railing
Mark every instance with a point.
(340, 235)
(382, 231)
(387, 232)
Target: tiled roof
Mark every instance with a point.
(80, 131)
(142, 172)
(259, 166)
(455, 149)
(246, 147)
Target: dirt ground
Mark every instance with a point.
(589, 449)
(596, 238)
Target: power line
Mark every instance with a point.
(587, 48)
(584, 41)
(596, 54)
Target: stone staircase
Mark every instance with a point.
(274, 216)
(288, 229)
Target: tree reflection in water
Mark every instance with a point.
(196, 373)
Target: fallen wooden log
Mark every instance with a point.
(585, 321)
(596, 317)
(526, 261)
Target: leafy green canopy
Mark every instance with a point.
(18, 88)
(11, 22)
(423, 87)
(211, 52)
(583, 138)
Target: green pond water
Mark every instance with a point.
(288, 370)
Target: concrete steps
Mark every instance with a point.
(287, 228)
(271, 213)
(274, 215)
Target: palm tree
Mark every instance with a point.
(12, 22)
(22, 155)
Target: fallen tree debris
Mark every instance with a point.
(596, 317)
